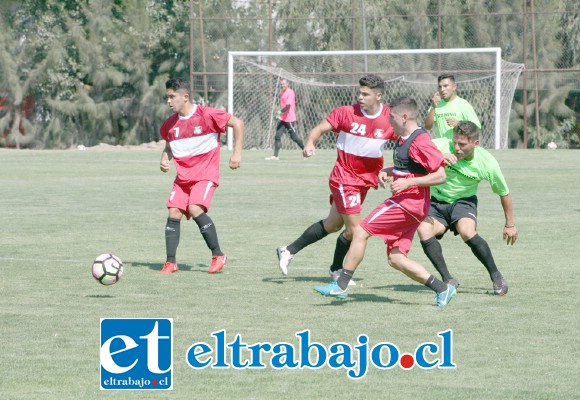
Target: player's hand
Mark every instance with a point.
(435, 99)
(309, 150)
(164, 165)
(278, 114)
(400, 185)
(384, 178)
(452, 122)
(450, 159)
(510, 235)
(235, 160)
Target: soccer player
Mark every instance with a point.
(286, 119)
(454, 203)
(192, 136)
(418, 164)
(447, 108)
(362, 131)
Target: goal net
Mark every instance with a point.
(326, 80)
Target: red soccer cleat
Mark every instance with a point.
(217, 263)
(169, 268)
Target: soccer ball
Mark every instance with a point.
(107, 269)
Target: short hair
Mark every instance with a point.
(468, 129)
(373, 82)
(178, 84)
(406, 104)
(446, 76)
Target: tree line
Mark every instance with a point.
(90, 71)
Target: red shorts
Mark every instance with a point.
(198, 193)
(348, 199)
(393, 224)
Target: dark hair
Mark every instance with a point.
(177, 84)
(468, 129)
(373, 82)
(406, 104)
(446, 76)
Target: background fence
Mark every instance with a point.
(105, 61)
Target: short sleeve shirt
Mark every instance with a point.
(464, 176)
(195, 143)
(460, 109)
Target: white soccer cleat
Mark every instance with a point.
(335, 274)
(284, 258)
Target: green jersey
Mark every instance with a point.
(464, 176)
(459, 109)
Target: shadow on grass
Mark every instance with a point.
(157, 266)
(100, 296)
(287, 279)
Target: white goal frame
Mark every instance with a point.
(494, 50)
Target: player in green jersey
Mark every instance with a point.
(454, 203)
(447, 108)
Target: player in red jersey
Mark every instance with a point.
(418, 164)
(362, 131)
(192, 138)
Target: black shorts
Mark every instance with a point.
(449, 213)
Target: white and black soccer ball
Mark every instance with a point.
(107, 269)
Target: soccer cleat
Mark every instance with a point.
(217, 263)
(445, 297)
(500, 287)
(284, 258)
(272, 158)
(335, 274)
(169, 268)
(333, 290)
(453, 282)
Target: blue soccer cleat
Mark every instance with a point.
(445, 297)
(333, 290)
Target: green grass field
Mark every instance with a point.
(60, 209)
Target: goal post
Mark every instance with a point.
(324, 80)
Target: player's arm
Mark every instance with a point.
(166, 156)
(238, 127)
(434, 178)
(313, 136)
(510, 232)
(430, 118)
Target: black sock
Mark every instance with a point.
(434, 253)
(435, 284)
(344, 278)
(209, 233)
(481, 249)
(312, 234)
(342, 246)
(171, 238)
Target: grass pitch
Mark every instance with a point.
(61, 209)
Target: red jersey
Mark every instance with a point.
(360, 144)
(195, 143)
(416, 199)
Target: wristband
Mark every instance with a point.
(509, 226)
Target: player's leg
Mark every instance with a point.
(349, 204)
(293, 131)
(315, 232)
(200, 200)
(353, 259)
(176, 202)
(280, 128)
(430, 231)
(414, 270)
(466, 227)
